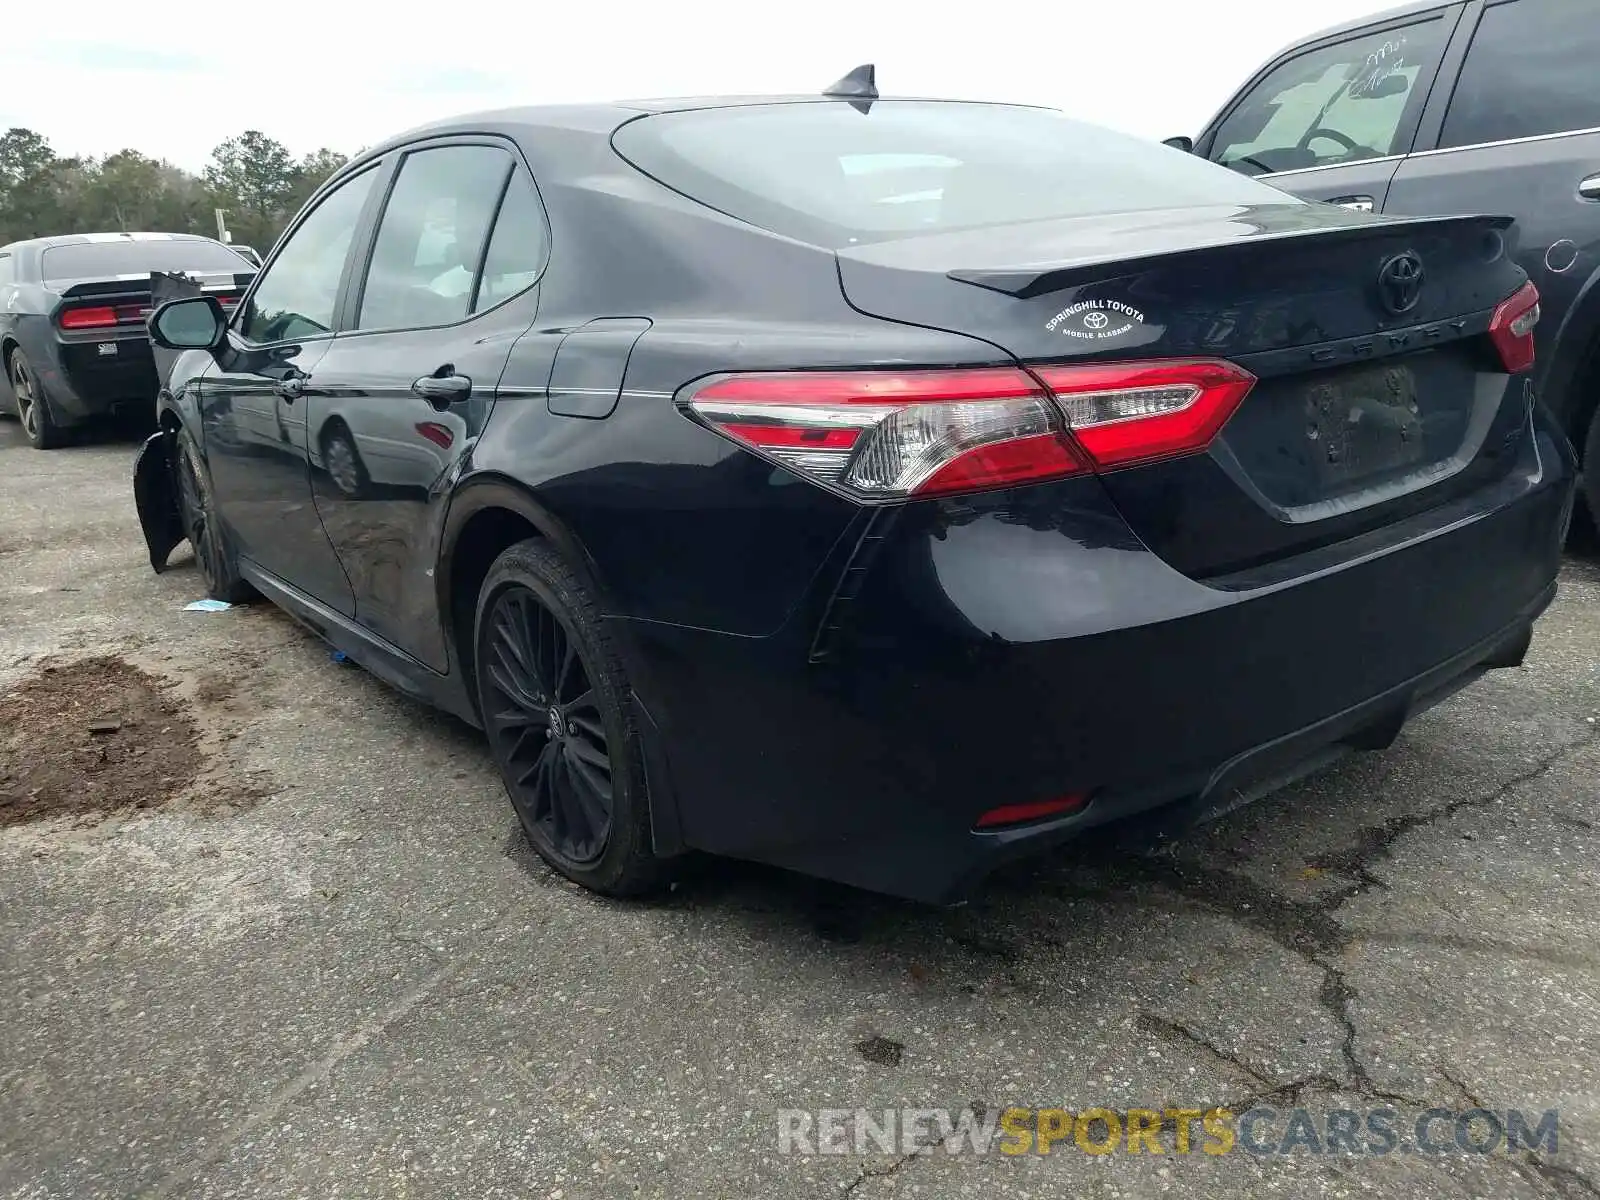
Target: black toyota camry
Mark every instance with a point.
(879, 488)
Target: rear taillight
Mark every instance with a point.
(88, 318)
(1125, 413)
(892, 434)
(886, 434)
(1511, 328)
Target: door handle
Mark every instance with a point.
(1355, 203)
(1589, 189)
(443, 388)
(291, 389)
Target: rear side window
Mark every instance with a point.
(828, 173)
(1534, 67)
(137, 256)
(516, 247)
(1336, 104)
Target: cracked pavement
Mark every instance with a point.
(366, 985)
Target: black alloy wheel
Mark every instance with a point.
(556, 705)
(544, 717)
(201, 525)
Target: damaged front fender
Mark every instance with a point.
(155, 494)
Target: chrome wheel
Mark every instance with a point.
(340, 459)
(22, 386)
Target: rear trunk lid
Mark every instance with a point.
(1378, 394)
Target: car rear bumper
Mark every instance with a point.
(1026, 646)
(87, 380)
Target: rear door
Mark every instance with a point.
(1332, 121)
(405, 390)
(1520, 134)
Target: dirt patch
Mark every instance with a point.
(92, 737)
(215, 688)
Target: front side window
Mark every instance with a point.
(1534, 68)
(1337, 104)
(297, 294)
(431, 237)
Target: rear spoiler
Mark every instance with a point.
(139, 285)
(1026, 282)
(127, 285)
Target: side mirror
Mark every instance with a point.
(1181, 142)
(190, 323)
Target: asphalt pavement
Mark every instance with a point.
(331, 967)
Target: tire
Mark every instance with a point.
(213, 550)
(342, 461)
(555, 704)
(33, 406)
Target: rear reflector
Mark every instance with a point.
(1018, 814)
(893, 434)
(88, 318)
(1511, 328)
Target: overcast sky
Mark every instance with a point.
(95, 76)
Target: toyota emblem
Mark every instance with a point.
(1400, 282)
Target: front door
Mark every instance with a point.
(253, 405)
(406, 389)
(1332, 122)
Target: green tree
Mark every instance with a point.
(252, 177)
(124, 192)
(26, 192)
(23, 154)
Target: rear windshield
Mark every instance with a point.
(827, 172)
(96, 260)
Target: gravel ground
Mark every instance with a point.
(327, 964)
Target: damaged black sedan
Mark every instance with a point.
(882, 489)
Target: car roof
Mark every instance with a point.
(1399, 12)
(86, 239)
(600, 120)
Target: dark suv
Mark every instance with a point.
(1485, 106)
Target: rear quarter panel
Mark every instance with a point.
(680, 525)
